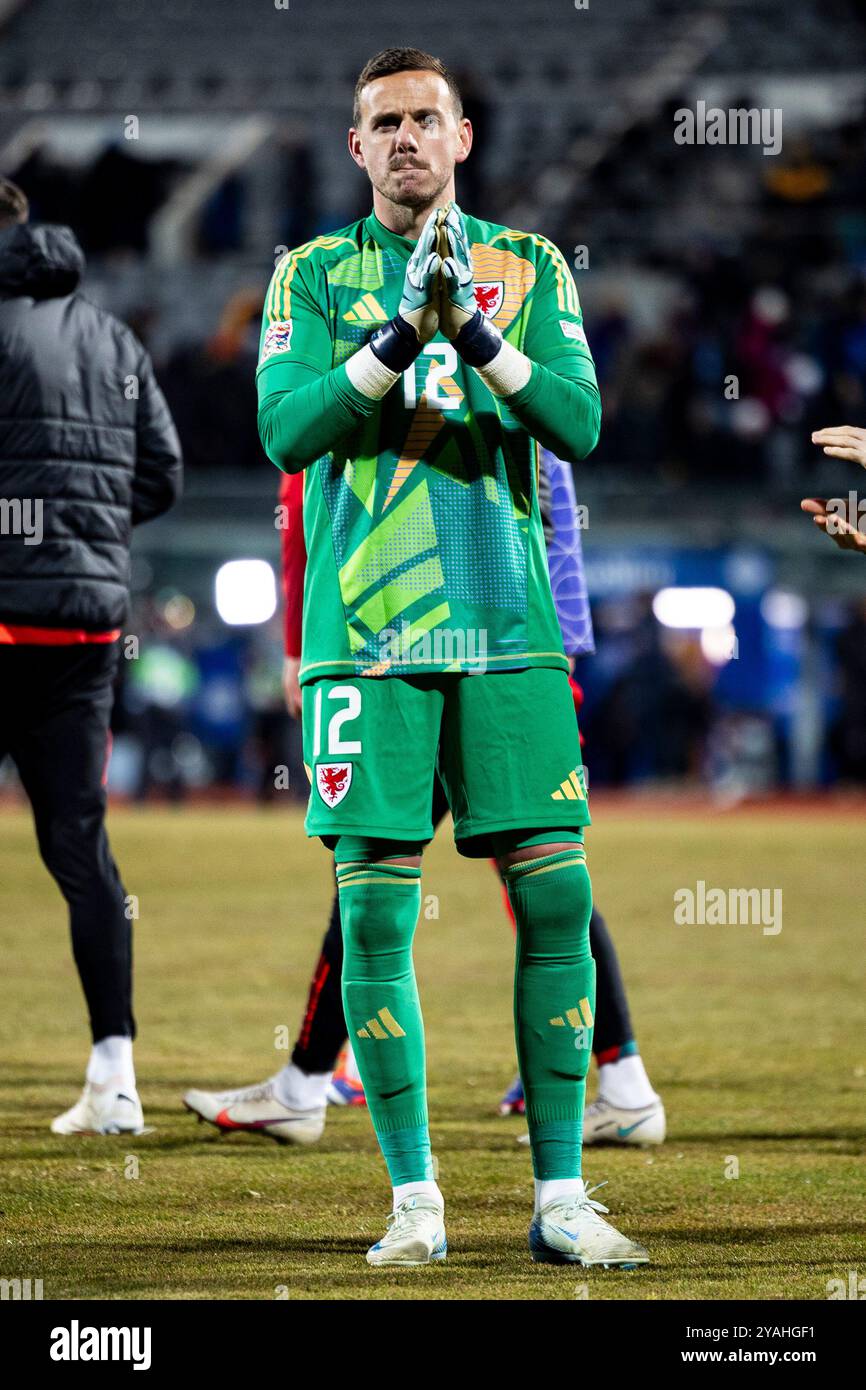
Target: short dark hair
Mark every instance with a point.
(392, 60)
(14, 206)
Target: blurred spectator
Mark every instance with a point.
(221, 225)
(654, 720)
(849, 734)
(263, 689)
(108, 203)
(212, 392)
(160, 688)
(298, 189)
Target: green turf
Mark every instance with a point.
(755, 1042)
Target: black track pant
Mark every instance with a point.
(55, 707)
(323, 1030)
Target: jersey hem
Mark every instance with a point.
(555, 661)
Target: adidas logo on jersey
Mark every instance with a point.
(573, 788)
(367, 309)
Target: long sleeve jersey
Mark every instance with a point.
(425, 547)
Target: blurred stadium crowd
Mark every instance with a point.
(774, 296)
(725, 298)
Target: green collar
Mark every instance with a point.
(403, 245)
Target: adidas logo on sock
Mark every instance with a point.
(581, 1017)
(374, 1028)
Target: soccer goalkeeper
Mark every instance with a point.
(409, 363)
(291, 1105)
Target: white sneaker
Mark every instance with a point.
(110, 1108)
(604, 1123)
(415, 1235)
(571, 1231)
(257, 1109)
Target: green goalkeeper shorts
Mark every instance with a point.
(505, 745)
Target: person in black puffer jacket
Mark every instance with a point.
(87, 451)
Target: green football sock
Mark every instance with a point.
(554, 1003)
(379, 907)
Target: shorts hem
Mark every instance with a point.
(521, 823)
(371, 833)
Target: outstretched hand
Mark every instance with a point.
(837, 517)
(834, 518)
(843, 442)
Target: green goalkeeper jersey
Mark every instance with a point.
(425, 551)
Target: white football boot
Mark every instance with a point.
(258, 1110)
(110, 1108)
(415, 1235)
(604, 1123)
(570, 1230)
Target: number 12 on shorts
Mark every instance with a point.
(337, 746)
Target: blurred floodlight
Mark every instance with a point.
(719, 644)
(179, 612)
(805, 374)
(779, 608)
(770, 305)
(246, 592)
(694, 608)
(750, 418)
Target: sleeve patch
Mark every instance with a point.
(278, 338)
(573, 330)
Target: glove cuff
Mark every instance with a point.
(369, 375)
(478, 341)
(508, 372)
(396, 344)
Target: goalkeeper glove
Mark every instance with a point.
(474, 336)
(399, 341)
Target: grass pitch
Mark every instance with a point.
(755, 1042)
